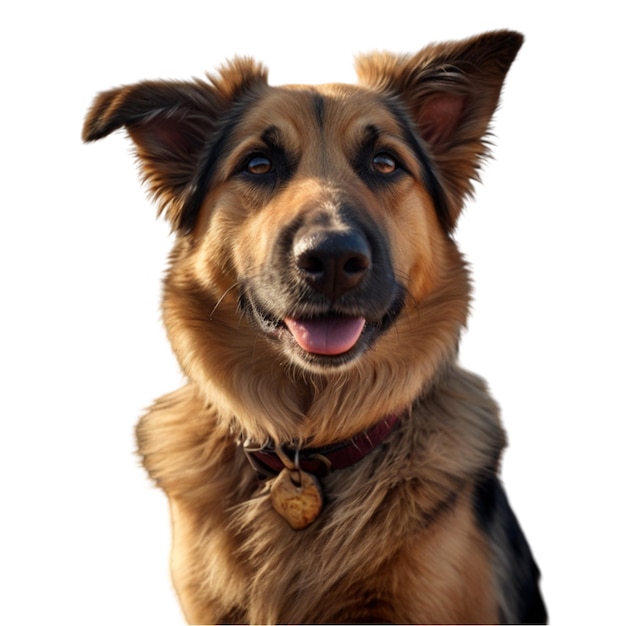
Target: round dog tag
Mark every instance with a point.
(297, 497)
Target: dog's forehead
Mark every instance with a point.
(329, 108)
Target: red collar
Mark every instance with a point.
(321, 461)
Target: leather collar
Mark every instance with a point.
(319, 461)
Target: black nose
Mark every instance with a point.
(332, 262)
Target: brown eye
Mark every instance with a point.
(259, 165)
(384, 163)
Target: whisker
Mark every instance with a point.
(222, 299)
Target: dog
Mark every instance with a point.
(327, 460)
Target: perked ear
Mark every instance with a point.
(450, 91)
(173, 124)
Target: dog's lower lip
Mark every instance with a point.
(326, 335)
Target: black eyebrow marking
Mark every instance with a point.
(371, 134)
(271, 137)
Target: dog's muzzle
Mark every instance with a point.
(327, 292)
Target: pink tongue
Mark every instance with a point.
(333, 335)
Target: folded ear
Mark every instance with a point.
(450, 91)
(174, 125)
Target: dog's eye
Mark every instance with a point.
(259, 165)
(384, 163)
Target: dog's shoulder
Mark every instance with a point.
(185, 446)
(516, 571)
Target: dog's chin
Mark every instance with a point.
(323, 343)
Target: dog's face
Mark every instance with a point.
(314, 223)
(331, 228)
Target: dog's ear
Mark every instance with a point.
(450, 91)
(173, 125)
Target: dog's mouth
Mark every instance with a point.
(328, 335)
(328, 339)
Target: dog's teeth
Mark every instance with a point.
(327, 336)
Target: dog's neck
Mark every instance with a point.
(271, 459)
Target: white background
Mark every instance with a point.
(84, 537)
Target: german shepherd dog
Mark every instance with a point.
(327, 460)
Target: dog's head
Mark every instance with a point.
(311, 220)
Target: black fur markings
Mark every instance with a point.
(430, 178)
(216, 147)
(363, 159)
(319, 107)
(516, 571)
(283, 162)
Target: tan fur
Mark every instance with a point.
(398, 539)
(406, 519)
